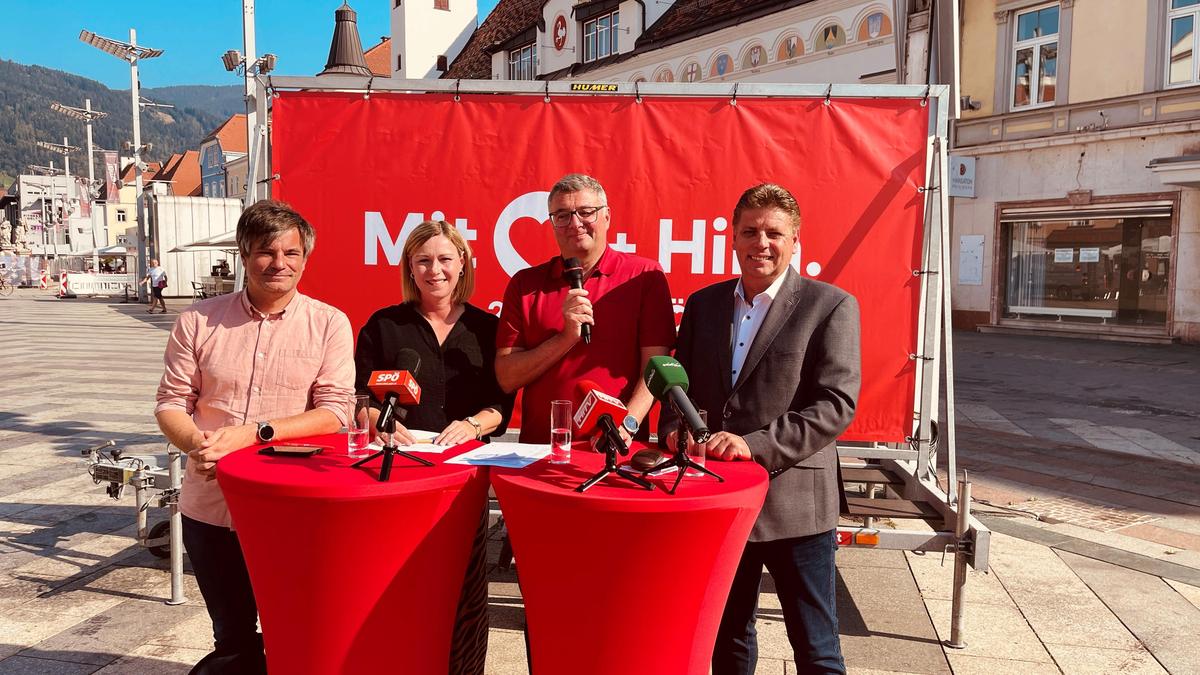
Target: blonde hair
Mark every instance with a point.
(423, 233)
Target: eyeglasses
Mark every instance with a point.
(586, 215)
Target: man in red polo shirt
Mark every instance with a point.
(625, 298)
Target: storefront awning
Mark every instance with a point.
(1149, 209)
(1183, 170)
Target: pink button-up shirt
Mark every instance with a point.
(229, 364)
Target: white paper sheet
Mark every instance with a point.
(510, 455)
(424, 443)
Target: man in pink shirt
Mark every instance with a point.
(624, 297)
(267, 363)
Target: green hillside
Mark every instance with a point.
(26, 93)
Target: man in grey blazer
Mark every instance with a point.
(774, 360)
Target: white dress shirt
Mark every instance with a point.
(747, 319)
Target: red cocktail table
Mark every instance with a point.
(620, 579)
(352, 575)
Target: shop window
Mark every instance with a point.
(1182, 41)
(1100, 270)
(1035, 57)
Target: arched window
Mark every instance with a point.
(754, 57)
(830, 36)
(789, 47)
(722, 65)
(874, 26)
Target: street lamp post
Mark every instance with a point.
(48, 230)
(250, 66)
(87, 115)
(65, 149)
(131, 52)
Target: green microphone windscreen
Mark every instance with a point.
(662, 373)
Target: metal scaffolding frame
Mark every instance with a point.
(907, 471)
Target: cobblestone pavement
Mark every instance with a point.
(1128, 398)
(1095, 557)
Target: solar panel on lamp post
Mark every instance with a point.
(87, 116)
(132, 53)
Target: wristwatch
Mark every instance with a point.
(478, 427)
(265, 432)
(630, 424)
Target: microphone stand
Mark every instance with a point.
(387, 425)
(612, 443)
(681, 460)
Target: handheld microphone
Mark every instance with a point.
(599, 411)
(396, 389)
(573, 271)
(667, 381)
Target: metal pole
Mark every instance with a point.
(960, 565)
(248, 70)
(87, 105)
(66, 157)
(91, 173)
(174, 473)
(134, 95)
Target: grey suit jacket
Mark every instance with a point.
(795, 395)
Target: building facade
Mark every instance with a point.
(1080, 123)
(225, 144)
(428, 34)
(842, 41)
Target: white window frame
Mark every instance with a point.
(517, 62)
(1035, 44)
(1172, 14)
(592, 27)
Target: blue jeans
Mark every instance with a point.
(216, 558)
(805, 580)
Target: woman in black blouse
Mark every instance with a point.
(460, 398)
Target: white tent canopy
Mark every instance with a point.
(226, 241)
(106, 251)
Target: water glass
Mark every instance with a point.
(359, 426)
(695, 450)
(560, 432)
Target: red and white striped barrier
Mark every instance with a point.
(44, 283)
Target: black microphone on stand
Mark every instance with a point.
(397, 390)
(573, 271)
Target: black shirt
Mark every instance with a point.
(457, 377)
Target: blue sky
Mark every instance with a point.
(192, 33)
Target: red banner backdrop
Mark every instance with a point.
(365, 171)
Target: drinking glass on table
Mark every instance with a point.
(359, 426)
(695, 450)
(560, 432)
